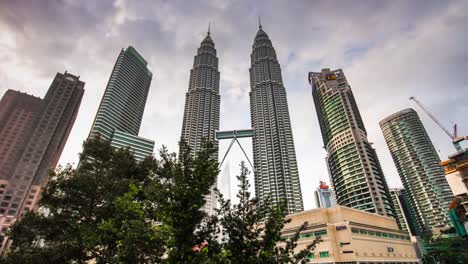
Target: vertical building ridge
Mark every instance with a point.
(202, 105)
(354, 168)
(276, 174)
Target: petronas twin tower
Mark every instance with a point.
(275, 166)
(202, 101)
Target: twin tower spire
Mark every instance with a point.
(259, 25)
(276, 175)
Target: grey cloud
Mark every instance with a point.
(388, 50)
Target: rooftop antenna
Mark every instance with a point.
(209, 25)
(259, 23)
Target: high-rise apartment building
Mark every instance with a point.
(417, 163)
(354, 168)
(324, 196)
(119, 116)
(33, 133)
(276, 174)
(402, 214)
(202, 105)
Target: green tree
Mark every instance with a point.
(93, 212)
(113, 209)
(252, 234)
(179, 195)
(446, 250)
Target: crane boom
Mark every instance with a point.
(452, 136)
(455, 138)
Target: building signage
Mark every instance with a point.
(344, 243)
(346, 251)
(338, 228)
(331, 77)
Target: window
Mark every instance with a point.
(324, 254)
(321, 233)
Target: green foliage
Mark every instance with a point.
(446, 250)
(93, 212)
(252, 234)
(178, 195)
(113, 209)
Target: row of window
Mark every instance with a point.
(322, 254)
(379, 234)
(308, 235)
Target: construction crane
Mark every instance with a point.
(454, 136)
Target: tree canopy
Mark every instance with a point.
(114, 209)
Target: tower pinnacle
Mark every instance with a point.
(209, 24)
(259, 23)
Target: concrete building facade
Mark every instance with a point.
(276, 174)
(355, 171)
(202, 105)
(417, 163)
(33, 133)
(118, 118)
(351, 236)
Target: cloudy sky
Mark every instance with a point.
(389, 50)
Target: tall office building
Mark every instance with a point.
(417, 163)
(202, 103)
(119, 116)
(355, 171)
(276, 174)
(33, 133)
(324, 196)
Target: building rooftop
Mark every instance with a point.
(395, 115)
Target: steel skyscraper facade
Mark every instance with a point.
(355, 171)
(33, 133)
(202, 105)
(417, 163)
(276, 174)
(119, 116)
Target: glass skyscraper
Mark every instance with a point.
(119, 116)
(276, 174)
(417, 163)
(354, 168)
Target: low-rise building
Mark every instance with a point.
(351, 236)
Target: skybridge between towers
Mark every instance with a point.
(234, 135)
